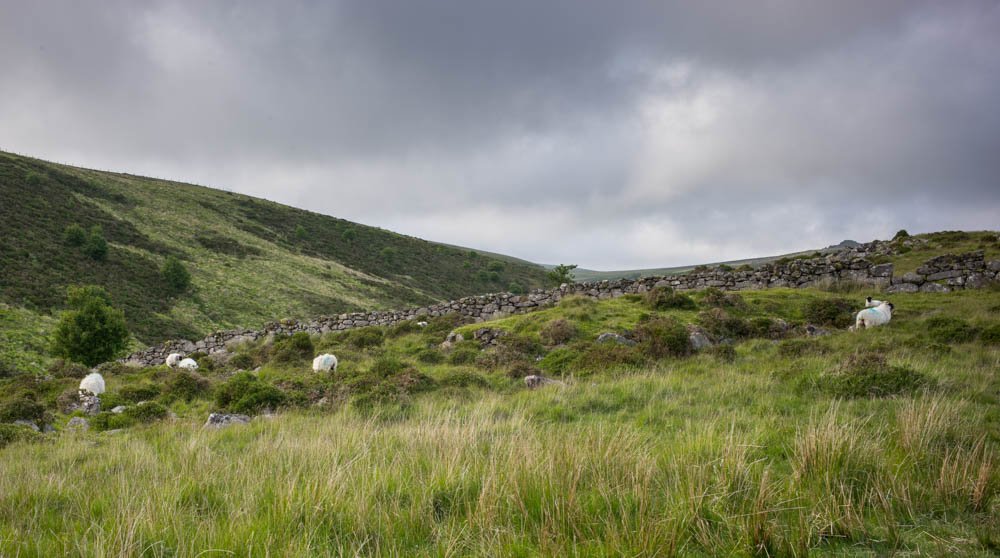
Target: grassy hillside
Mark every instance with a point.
(775, 444)
(251, 260)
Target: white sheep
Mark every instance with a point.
(188, 364)
(93, 382)
(872, 303)
(325, 362)
(421, 324)
(871, 317)
(173, 359)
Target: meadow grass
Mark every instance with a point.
(693, 456)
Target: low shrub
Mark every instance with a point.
(7, 369)
(186, 386)
(522, 369)
(430, 355)
(801, 347)
(722, 325)
(663, 337)
(21, 408)
(558, 332)
(869, 374)
(242, 361)
(245, 393)
(510, 349)
(559, 362)
(135, 393)
(949, 330)
(835, 312)
(62, 368)
(990, 334)
(403, 328)
(292, 349)
(463, 355)
(664, 298)
(463, 378)
(444, 324)
(143, 413)
(601, 356)
(10, 433)
(365, 337)
(717, 298)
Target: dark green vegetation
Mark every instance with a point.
(90, 331)
(249, 260)
(775, 443)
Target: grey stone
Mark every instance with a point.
(903, 288)
(912, 277)
(534, 381)
(90, 403)
(119, 409)
(815, 331)
(221, 420)
(993, 265)
(78, 423)
(882, 270)
(609, 337)
(699, 340)
(934, 288)
(976, 281)
(944, 275)
(29, 423)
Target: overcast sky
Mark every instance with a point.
(608, 134)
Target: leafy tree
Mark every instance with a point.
(91, 331)
(300, 232)
(176, 274)
(96, 247)
(562, 273)
(74, 235)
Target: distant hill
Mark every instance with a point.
(251, 260)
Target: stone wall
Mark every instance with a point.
(859, 265)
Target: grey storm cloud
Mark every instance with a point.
(608, 134)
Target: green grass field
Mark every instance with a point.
(872, 443)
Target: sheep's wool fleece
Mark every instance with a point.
(173, 359)
(188, 364)
(94, 383)
(324, 362)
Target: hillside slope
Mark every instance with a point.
(251, 260)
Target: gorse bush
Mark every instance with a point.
(10, 433)
(664, 298)
(835, 312)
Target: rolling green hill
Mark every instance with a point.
(251, 260)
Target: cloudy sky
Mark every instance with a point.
(609, 134)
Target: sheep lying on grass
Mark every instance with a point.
(92, 383)
(871, 317)
(421, 324)
(173, 359)
(324, 363)
(872, 303)
(188, 364)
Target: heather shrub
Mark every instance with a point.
(664, 298)
(834, 312)
(869, 374)
(292, 349)
(663, 337)
(720, 324)
(558, 332)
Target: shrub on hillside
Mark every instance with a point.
(430, 355)
(835, 312)
(463, 355)
(664, 298)
(559, 362)
(176, 275)
(143, 413)
(21, 408)
(558, 332)
(869, 374)
(292, 349)
(96, 246)
(720, 324)
(242, 361)
(245, 393)
(522, 369)
(463, 379)
(663, 337)
(62, 368)
(990, 334)
(403, 328)
(901, 234)
(135, 393)
(74, 235)
(510, 349)
(602, 356)
(186, 386)
(91, 331)
(723, 352)
(717, 298)
(950, 330)
(10, 433)
(7, 369)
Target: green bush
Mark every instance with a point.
(245, 393)
(96, 246)
(664, 298)
(516, 288)
(292, 349)
(430, 355)
(74, 235)
(717, 298)
(602, 356)
(801, 347)
(868, 374)
(835, 312)
(522, 369)
(949, 330)
(463, 355)
(21, 408)
(242, 361)
(91, 331)
(176, 275)
(403, 328)
(558, 332)
(144, 413)
(187, 386)
(463, 378)
(511, 348)
(135, 393)
(720, 324)
(663, 337)
(365, 337)
(10, 433)
(62, 368)
(723, 352)
(901, 234)
(990, 334)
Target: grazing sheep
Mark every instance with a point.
(325, 362)
(871, 302)
(173, 359)
(871, 317)
(421, 324)
(188, 364)
(93, 383)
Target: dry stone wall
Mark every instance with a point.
(860, 265)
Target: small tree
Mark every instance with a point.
(562, 273)
(96, 247)
(91, 331)
(176, 274)
(74, 235)
(300, 233)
